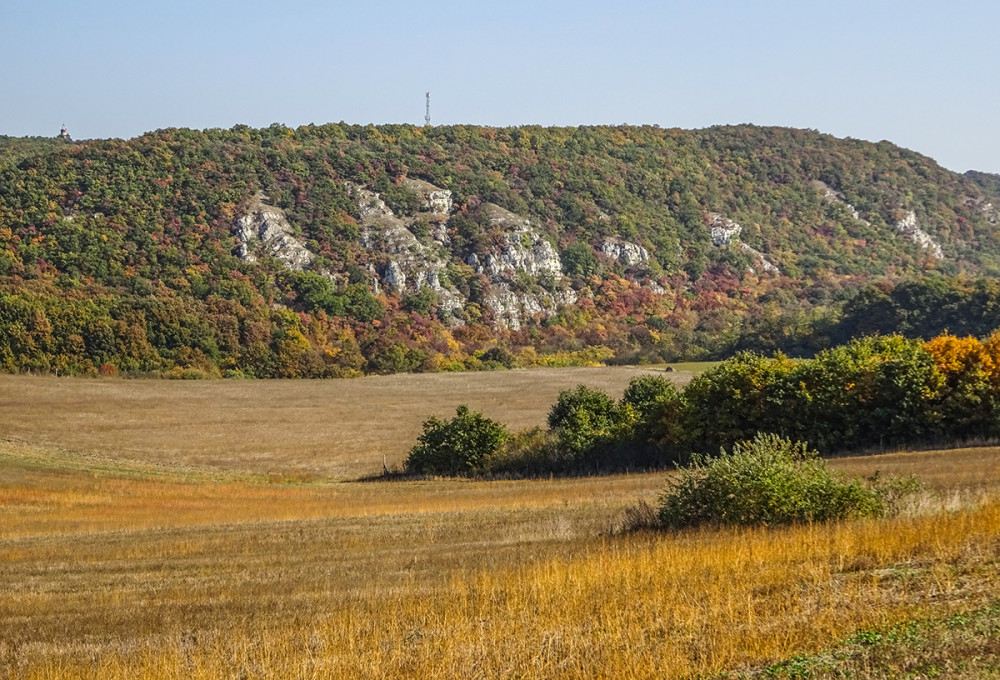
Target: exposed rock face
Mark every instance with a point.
(434, 200)
(629, 254)
(410, 265)
(759, 258)
(511, 308)
(984, 208)
(522, 250)
(990, 213)
(723, 230)
(265, 227)
(832, 196)
(908, 227)
(655, 287)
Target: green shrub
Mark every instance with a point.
(578, 260)
(735, 399)
(499, 357)
(583, 419)
(456, 446)
(873, 391)
(659, 431)
(422, 303)
(768, 480)
(645, 392)
(396, 358)
(534, 451)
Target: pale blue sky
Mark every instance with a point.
(921, 74)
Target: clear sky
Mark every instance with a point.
(925, 75)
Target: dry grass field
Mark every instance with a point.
(147, 560)
(328, 428)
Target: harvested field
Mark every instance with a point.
(135, 551)
(329, 428)
(137, 574)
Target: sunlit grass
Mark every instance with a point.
(152, 574)
(203, 530)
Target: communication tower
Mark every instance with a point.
(427, 111)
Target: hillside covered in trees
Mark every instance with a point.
(336, 250)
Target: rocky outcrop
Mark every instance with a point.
(433, 199)
(409, 265)
(521, 251)
(627, 253)
(984, 208)
(990, 213)
(511, 308)
(655, 287)
(523, 268)
(908, 227)
(522, 248)
(760, 259)
(264, 228)
(724, 231)
(831, 196)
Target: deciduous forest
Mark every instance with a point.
(630, 244)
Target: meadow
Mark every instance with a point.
(129, 551)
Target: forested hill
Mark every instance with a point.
(337, 249)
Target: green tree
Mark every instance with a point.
(362, 305)
(578, 260)
(658, 434)
(456, 446)
(736, 399)
(584, 420)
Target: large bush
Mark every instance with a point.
(584, 420)
(768, 480)
(659, 429)
(736, 399)
(873, 391)
(455, 446)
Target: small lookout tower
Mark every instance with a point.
(64, 134)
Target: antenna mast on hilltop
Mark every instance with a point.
(427, 114)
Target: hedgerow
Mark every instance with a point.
(874, 393)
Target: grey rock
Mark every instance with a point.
(655, 287)
(410, 265)
(836, 197)
(909, 228)
(264, 227)
(522, 249)
(759, 258)
(723, 230)
(984, 208)
(511, 309)
(628, 253)
(433, 199)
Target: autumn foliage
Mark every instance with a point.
(875, 393)
(122, 252)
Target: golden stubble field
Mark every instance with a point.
(130, 563)
(329, 428)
